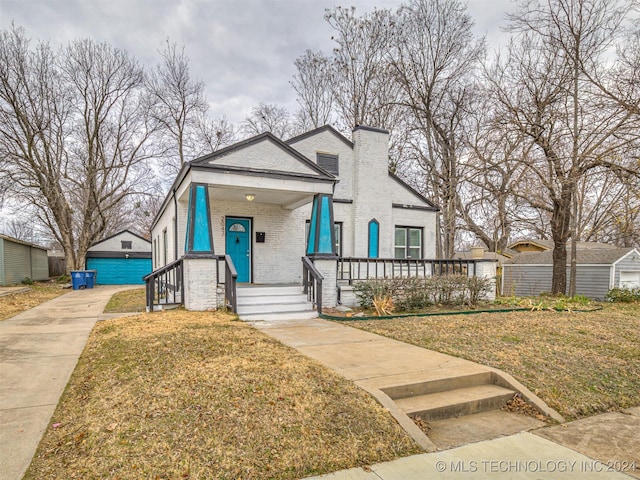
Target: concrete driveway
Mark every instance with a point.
(39, 350)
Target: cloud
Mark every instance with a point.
(242, 49)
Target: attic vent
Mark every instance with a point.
(126, 244)
(328, 162)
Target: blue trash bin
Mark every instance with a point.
(90, 277)
(78, 280)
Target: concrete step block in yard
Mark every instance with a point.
(404, 390)
(455, 403)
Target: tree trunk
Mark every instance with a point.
(560, 223)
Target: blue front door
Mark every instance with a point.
(238, 246)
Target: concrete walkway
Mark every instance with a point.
(39, 349)
(604, 446)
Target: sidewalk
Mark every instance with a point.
(39, 349)
(572, 450)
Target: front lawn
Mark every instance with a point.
(127, 301)
(580, 363)
(199, 395)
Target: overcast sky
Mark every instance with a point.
(243, 50)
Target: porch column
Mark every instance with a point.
(487, 269)
(322, 234)
(199, 235)
(199, 262)
(321, 246)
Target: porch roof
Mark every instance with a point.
(262, 165)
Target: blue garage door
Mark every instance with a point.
(119, 271)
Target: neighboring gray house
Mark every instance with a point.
(598, 271)
(20, 260)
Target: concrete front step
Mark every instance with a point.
(298, 315)
(253, 291)
(455, 403)
(274, 302)
(404, 390)
(273, 307)
(272, 299)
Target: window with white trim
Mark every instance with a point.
(408, 242)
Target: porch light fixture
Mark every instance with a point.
(250, 197)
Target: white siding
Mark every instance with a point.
(166, 222)
(418, 218)
(629, 263)
(114, 244)
(373, 192)
(327, 142)
(278, 259)
(264, 155)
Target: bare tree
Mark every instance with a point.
(547, 95)
(487, 204)
(21, 229)
(312, 83)
(214, 134)
(608, 209)
(267, 117)
(74, 135)
(362, 88)
(178, 104)
(433, 61)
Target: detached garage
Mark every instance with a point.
(122, 259)
(20, 260)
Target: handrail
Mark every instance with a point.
(165, 285)
(312, 283)
(361, 268)
(230, 283)
(161, 270)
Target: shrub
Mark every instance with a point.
(378, 288)
(623, 295)
(27, 281)
(415, 293)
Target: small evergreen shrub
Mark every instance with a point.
(27, 281)
(623, 295)
(417, 293)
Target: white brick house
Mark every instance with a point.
(264, 204)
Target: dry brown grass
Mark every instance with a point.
(579, 363)
(127, 301)
(38, 293)
(198, 395)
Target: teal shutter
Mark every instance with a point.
(374, 238)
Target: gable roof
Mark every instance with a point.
(414, 191)
(118, 234)
(590, 256)
(299, 165)
(548, 244)
(324, 128)
(467, 255)
(21, 242)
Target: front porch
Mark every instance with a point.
(207, 282)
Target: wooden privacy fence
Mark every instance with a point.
(57, 266)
